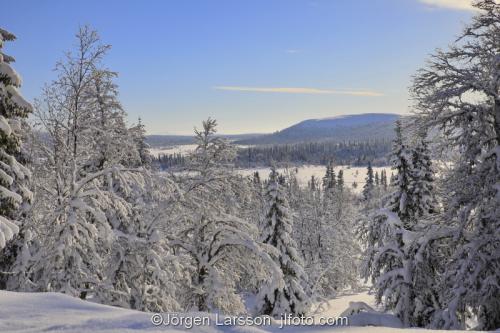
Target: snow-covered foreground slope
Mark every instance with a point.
(53, 312)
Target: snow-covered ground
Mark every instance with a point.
(351, 174)
(54, 312)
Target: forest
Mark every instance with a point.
(85, 210)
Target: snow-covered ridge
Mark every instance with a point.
(357, 127)
(359, 116)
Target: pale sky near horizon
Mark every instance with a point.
(255, 66)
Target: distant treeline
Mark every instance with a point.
(167, 161)
(341, 153)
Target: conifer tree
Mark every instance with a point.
(393, 260)
(291, 298)
(422, 179)
(313, 183)
(13, 174)
(369, 183)
(256, 178)
(383, 179)
(401, 163)
(329, 180)
(340, 180)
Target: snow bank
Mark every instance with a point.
(54, 312)
(375, 319)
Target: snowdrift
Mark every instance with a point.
(54, 312)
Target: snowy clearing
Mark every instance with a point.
(351, 174)
(176, 149)
(54, 312)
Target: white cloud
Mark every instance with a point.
(310, 91)
(292, 51)
(450, 4)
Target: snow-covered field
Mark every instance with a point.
(351, 174)
(176, 149)
(54, 312)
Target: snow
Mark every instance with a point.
(6, 70)
(7, 230)
(4, 126)
(7, 194)
(177, 149)
(54, 312)
(16, 96)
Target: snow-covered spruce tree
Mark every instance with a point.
(400, 199)
(13, 175)
(219, 245)
(423, 199)
(340, 180)
(383, 180)
(15, 195)
(291, 298)
(392, 236)
(369, 184)
(329, 180)
(458, 93)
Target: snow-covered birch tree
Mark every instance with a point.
(219, 243)
(81, 180)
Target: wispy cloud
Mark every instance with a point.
(450, 4)
(292, 51)
(309, 91)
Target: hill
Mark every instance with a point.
(358, 127)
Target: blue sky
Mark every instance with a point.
(254, 65)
